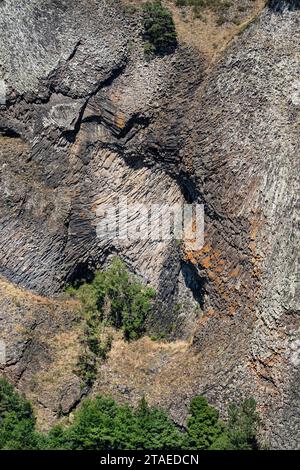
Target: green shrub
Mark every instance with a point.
(203, 425)
(206, 431)
(113, 299)
(159, 29)
(156, 431)
(101, 424)
(117, 299)
(241, 429)
(16, 420)
(243, 424)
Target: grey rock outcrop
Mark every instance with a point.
(246, 147)
(87, 120)
(85, 115)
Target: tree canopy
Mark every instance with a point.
(159, 28)
(102, 424)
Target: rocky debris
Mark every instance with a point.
(93, 121)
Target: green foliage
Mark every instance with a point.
(155, 429)
(117, 299)
(86, 367)
(99, 425)
(16, 420)
(159, 29)
(102, 424)
(206, 431)
(203, 425)
(113, 299)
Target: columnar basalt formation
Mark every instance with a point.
(88, 120)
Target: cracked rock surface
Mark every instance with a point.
(88, 120)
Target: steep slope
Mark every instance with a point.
(92, 121)
(246, 147)
(89, 117)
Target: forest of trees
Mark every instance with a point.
(102, 424)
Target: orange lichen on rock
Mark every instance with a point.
(120, 120)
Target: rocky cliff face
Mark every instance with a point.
(88, 120)
(95, 121)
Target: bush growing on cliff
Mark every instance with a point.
(115, 298)
(219, 7)
(159, 28)
(241, 429)
(206, 431)
(243, 425)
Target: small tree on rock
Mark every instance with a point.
(159, 29)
